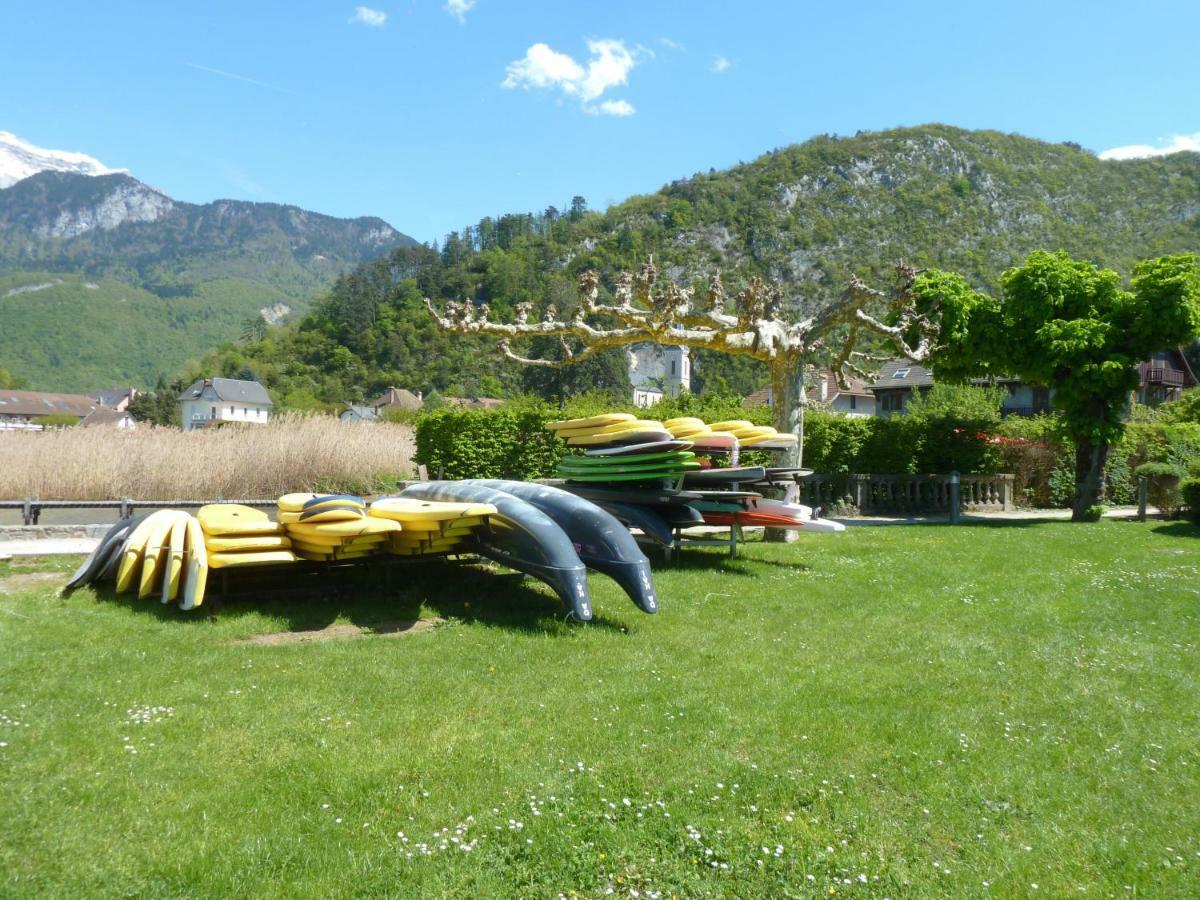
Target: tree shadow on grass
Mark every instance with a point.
(1178, 529)
(712, 559)
(311, 599)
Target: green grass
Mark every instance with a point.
(939, 711)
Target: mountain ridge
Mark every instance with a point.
(810, 215)
(216, 266)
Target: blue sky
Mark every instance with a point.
(433, 113)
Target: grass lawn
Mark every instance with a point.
(1005, 710)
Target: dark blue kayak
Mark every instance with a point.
(521, 537)
(94, 565)
(600, 540)
(646, 519)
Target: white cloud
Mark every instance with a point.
(459, 9)
(364, 15)
(608, 66)
(610, 108)
(1175, 144)
(721, 64)
(670, 44)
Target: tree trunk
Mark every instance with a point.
(1090, 460)
(787, 393)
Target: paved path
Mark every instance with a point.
(48, 547)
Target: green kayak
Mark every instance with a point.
(631, 459)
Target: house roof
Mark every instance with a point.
(365, 413)
(113, 396)
(475, 403)
(231, 390)
(397, 398)
(900, 373)
(854, 387)
(103, 416)
(39, 403)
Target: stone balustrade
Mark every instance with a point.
(908, 494)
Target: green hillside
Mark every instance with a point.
(71, 333)
(211, 267)
(810, 215)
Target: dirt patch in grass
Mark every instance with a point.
(344, 630)
(23, 581)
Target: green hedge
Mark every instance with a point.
(512, 441)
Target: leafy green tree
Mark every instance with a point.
(159, 406)
(1073, 327)
(11, 382)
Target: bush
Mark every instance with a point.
(509, 442)
(1189, 491)
(1163, 485)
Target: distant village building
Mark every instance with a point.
(109, 418)
(116, 398)
(822, 389)
(898, 381)
(1163, 377)
(212, 402)
(658, 371)
(21, 410)
(474, 402)
(396, 398)
(353, 413)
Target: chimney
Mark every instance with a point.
(823, 387)
(419, 397)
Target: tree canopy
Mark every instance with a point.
(1068, 325)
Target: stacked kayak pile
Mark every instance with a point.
(619, 447)
(332, 527)
(160, 555)
(748, 434)
(662, 485)
(236, 535)
(428, 528)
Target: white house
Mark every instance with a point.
(656, 371)
(212, 402)
(821, 388)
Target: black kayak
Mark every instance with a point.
(646, 519)
(94, 565)
(521, 537)
(748, 474)
(648, 496)
(601, 542)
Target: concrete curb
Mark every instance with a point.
(51, 532)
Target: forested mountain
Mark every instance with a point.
(197, 275)
(809, 215)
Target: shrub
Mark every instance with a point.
(1163, 485)
(1189, 491)
(509, 442)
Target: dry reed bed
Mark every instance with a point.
(290, 453)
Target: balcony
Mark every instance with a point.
(1162, 375)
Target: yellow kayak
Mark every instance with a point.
(302, 502)
(345, 528)
(418, 512)
(260, 558)
(232, 518)
(604, 419)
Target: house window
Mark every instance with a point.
(672, 367)
(231, 410)
(902, 373)
(212, 413)
(853, 402)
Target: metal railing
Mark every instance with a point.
(31, 509)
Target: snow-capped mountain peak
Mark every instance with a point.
(19, 159)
